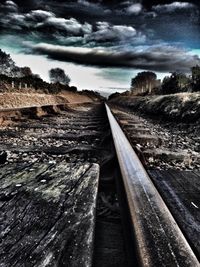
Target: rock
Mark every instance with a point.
(3, 157)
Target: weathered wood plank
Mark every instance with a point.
(181, 192)
(50, 221)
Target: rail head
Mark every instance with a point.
(159, 240)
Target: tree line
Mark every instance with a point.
(19, 77)
(146, 82)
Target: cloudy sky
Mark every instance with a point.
(101, 44)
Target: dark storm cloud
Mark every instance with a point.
(39, 15)
(98, 6)
(9, 6)
(29, 4)
(149, 4)
(106, 32)
(44, 23)
(129, 13)
(174, 7)
(71, 26)
(78, 8)
(118, 25)
(157, 58)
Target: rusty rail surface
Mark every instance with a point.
(159, 240)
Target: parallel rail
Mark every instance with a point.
(159, 240)
(36, 110)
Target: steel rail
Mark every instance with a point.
(159, 240)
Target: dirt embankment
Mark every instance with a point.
(15, 100)
(177, 107)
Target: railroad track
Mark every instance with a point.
(159, 241)
(73, 194)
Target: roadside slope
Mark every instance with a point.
(177, 107)
(15, 100)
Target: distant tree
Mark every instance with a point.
(183, 81)
(169, 85)
(58, 75)
(36, 76)
(114, 95)
(73, 89)
(15, 72)
(21, 72)
(144, 81)
(177, 82)
(6, 63)
(196, 78)
(26, 71)
(8, 67)
(92, 94)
